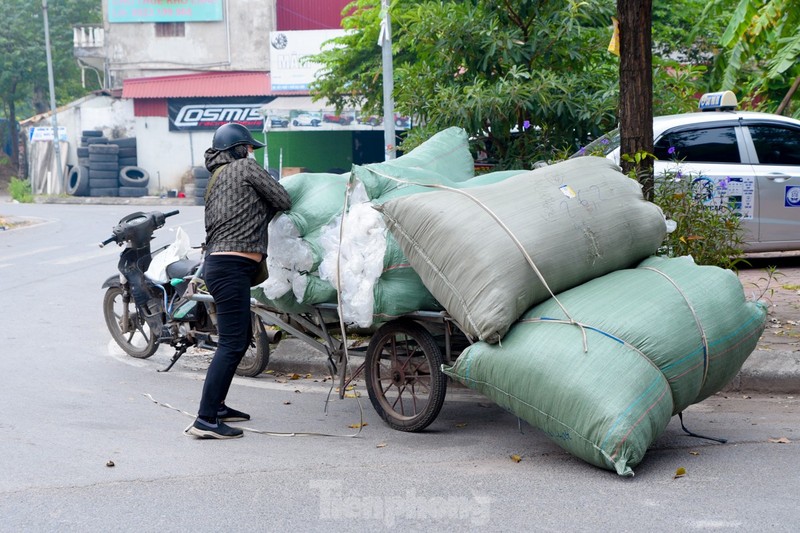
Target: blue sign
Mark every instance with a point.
(792, 196)
(164, 10)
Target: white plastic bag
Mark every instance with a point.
(179, 249)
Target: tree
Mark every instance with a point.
(23, 64)
(636, 90)
(524, 79)
(761, 50)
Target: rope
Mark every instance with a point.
(259, 431)
(506, 229)
(696, 320)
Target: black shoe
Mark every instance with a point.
(226, 414)
(206, 430)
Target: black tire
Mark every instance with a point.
(83, 161)
(78, 181)
(103, 149)
(200, 183)
(128, 162)
(92, 133)
(91, 141)
(134, 336)
(127, 151)
(199, 200)
(102, 183)
(111, 166)
(82, 151)
(133, 177)
(256, 359)
(404, 378)
(102, 174)
(200, 172)
(132, 192)
(126, 142)
(103, 158)
(99, 193)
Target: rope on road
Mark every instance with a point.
(261, 431)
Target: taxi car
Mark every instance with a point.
(746, 160)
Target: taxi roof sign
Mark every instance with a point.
(721, 101)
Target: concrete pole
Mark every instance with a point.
(56, 141)
(388, 84)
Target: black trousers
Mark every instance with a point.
(228, 281)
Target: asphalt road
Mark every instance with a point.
(85, 447)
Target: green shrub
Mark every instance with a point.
(708, 226)
(20, 190)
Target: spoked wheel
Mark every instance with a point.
(256, 359)
(133, 335)
(404, 378)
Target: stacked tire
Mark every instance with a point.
(201, 176)
(103, 169)
(107, 167)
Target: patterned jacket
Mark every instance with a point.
(240, 203)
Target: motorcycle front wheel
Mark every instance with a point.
(133, 334)
(256, 359)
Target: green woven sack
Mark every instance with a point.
(576, 220)
(658, 338)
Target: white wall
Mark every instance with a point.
(168, 156)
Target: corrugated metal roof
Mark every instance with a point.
(309, 14)
(205, 84)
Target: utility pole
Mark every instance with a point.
(56, 140)
(385, 41)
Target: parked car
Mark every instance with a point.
(279, 121)
(370, 120)
(307, 119)
(749, 160)
(344, 120)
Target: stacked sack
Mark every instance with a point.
(602, 367)
(333, 237)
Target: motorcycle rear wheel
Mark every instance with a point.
(135, 337)
(256, 358)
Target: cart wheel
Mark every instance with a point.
(404, 378)
(256, 358)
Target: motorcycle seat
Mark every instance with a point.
(182, 268)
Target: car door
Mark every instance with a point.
(775, 152)
(714, 156)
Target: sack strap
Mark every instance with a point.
(213, 179)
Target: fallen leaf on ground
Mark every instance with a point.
(294, 376)
(287, 403)
(352, 394)
(110, 464)
(516, 458)
(461, 425)
(356, 426)
(782, 440)
(694, 453)
(680, 472)
(381, 445)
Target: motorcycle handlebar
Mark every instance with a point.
(108, 241)
(171, 213)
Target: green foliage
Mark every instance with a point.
(23, 61)
(20, 190)
(525, 79)
(761, 49)
(707, 228)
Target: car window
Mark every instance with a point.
(776, 145)
(703, 145)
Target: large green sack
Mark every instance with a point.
(576, 220)
(445, 156)
(659, 337)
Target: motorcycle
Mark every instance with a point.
(143, 313)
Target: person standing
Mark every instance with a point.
(241, 199)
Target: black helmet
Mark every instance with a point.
(233, 134)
